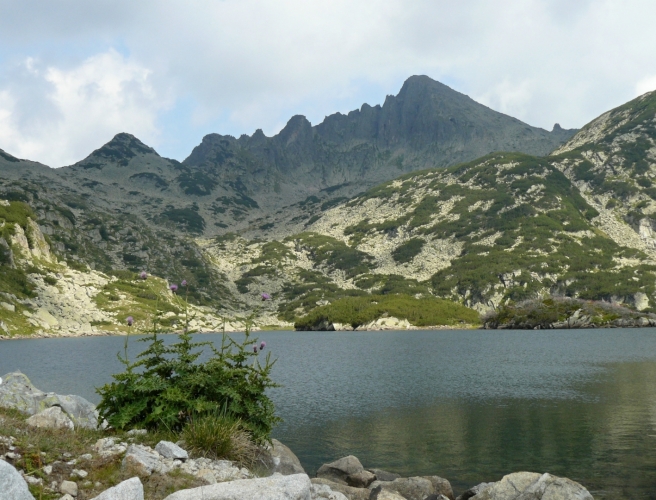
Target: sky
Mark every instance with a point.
(73, 73)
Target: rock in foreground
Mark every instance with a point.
(533, 486)
(276, 487)
(12, 484)
(16, 391)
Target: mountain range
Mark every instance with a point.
(429, 194)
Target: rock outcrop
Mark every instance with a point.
(533, 486)
(12, 484)
(16, 391)
(276, 487)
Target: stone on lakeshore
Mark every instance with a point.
(51, 418)
(325, 492)
(382, 494)
(66, 497)
(473, 491)
(141, 460)
(283, 460)
(441, 486)
(276, 487)
(339, 470)
(68, 487)
(12, 484)
(534, 486)
(411, 488)
(16, 391)
(360, 479)
(171, 450)
(107, 447)
(382, 475)
(348, 491)
(131, 489)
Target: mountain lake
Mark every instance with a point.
(467, 405)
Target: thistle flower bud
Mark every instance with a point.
(130, 320)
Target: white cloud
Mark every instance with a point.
(59, 115)
(646, 85)
(239, 65)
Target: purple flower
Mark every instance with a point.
(254, 347)
(262, 345)
(173, 288)
(143, 275)
(130, 320)
(184, 283)
(266, 296)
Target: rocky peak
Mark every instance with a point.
(297, 130)
(8, 157)
(120, 150)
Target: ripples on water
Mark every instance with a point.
(467, 405)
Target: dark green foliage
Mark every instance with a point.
(357, 311)
(187, 218)
(312, 219)
(196, 183)
(167, 385)
(557, 312)
(16, 213)
(151, 177)
(268, 225)
(333, 253)
(50, 280)
(384, 284)
(327, 205)
(408, 250)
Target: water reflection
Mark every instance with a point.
(606, 441)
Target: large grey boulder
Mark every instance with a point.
(51, 418)
(140, 460)
(171, 450)
(383, 475)
(411, 488)
(441, 486)
(279, 458)
(339, 470)
(131, 489)
(534, 486)
(473, 491)
(12, 484)
(276, 487)
(16, 391)
(348, 491)
(325, 492)
(381, 494)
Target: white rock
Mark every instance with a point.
(67, 497)
(323, 491)
(276, 487)
(137, 432)
(51, 418)
(68, 487)
(132, 489)
(171, 450)
(47, 469)
(142, 459)
(79, 473)
(32, 480)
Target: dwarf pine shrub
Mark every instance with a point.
(167, 386)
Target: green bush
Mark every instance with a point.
(357, 311)
(167, 385)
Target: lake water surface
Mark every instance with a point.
(470, 406)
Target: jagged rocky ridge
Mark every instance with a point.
(505, 227)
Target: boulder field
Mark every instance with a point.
(279, 474)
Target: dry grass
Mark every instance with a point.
(40, 447)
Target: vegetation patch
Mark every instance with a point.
(358, 311)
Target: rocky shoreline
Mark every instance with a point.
(277, 474)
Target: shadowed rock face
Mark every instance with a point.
(426, 125)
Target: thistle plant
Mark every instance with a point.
(167, 386)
